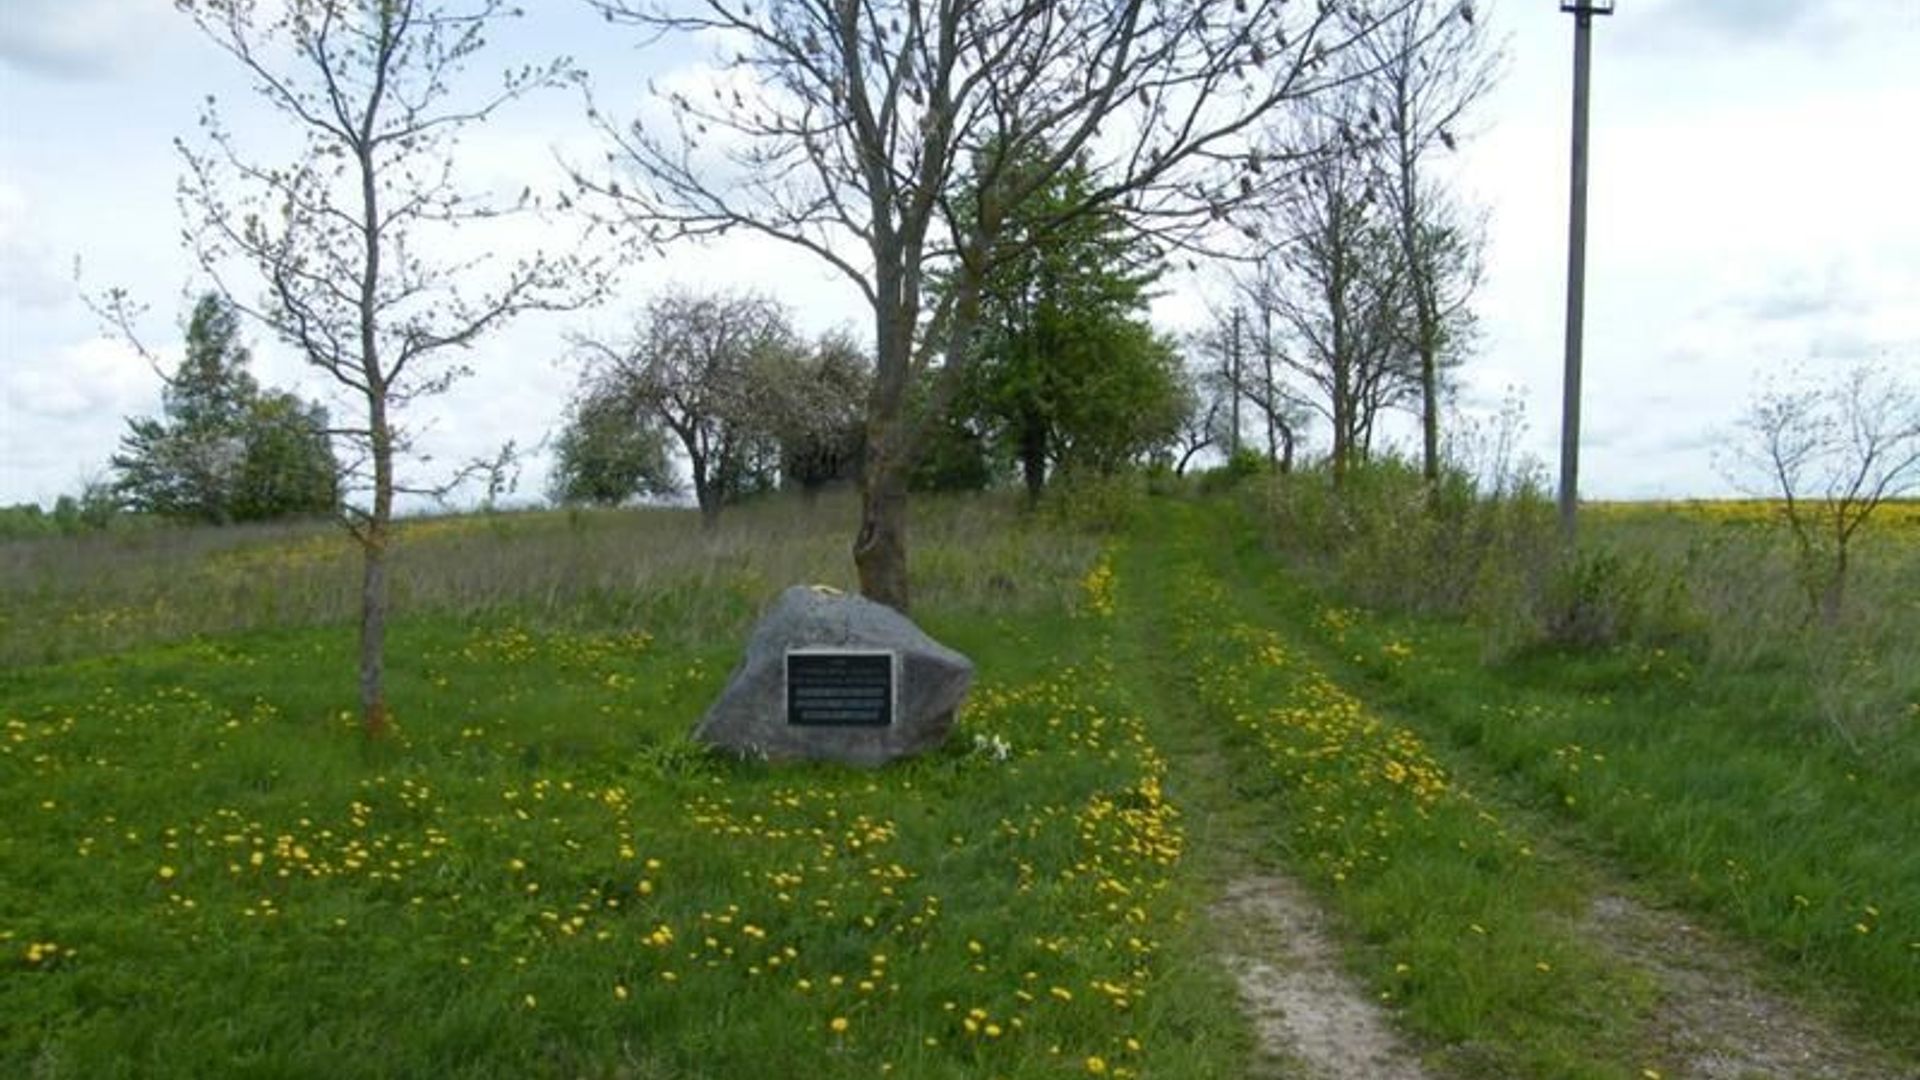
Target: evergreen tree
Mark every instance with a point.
(223, 450)
(212, 389)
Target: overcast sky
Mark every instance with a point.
(1752, 210)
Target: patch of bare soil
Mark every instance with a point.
(1714, 1021)
(1305, 1010)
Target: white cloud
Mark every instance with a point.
(28, 278)
(1692, 26)
(97, 375)
(1748, 211)
(79, 38)
(62, 417)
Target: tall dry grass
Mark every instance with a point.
(62, 598)
(1716, 582)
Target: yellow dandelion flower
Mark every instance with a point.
(1097, 1065)
(838, 1025)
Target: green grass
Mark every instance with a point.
(1454, 921)
(65, 598)
(204, 868)
(1708, 779)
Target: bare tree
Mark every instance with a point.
(1833, 454)
(839, 127)
(1331, 298)
(1222, 347)
(1264, 384)
(1248, 363)
(340, 233)
(1202, 421)
(1427, 65)
(694, 362)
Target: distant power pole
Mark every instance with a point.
(1583, 12)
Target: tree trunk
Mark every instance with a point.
(880, 548)
(1429, 405)
(893, 437)
(1033, 457)
(1341, 359)
(705, 486)
(1426, 307)
(375, 721)
(1267, 394)
(1233, 383)
(1273, 425)
(1833, 597)
(374, 717)
(1343, 425)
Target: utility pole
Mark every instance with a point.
(1583, 12)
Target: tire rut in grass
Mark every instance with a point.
(1712, 1015)
(1302, 1006)
(1714, 1019)
(1308, 1018)
(1306, 1015)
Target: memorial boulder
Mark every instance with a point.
(833, 677)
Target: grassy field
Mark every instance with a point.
(1694, 775)
(591, 569)
(205, 871)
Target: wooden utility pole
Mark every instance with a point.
(1583, 12)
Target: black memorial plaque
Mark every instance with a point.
(840, 688)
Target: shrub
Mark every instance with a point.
(1717, 586)
(1098, 503)
(1388, 539)
(1594, 599)
(1162, 480)
(1240, 466)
